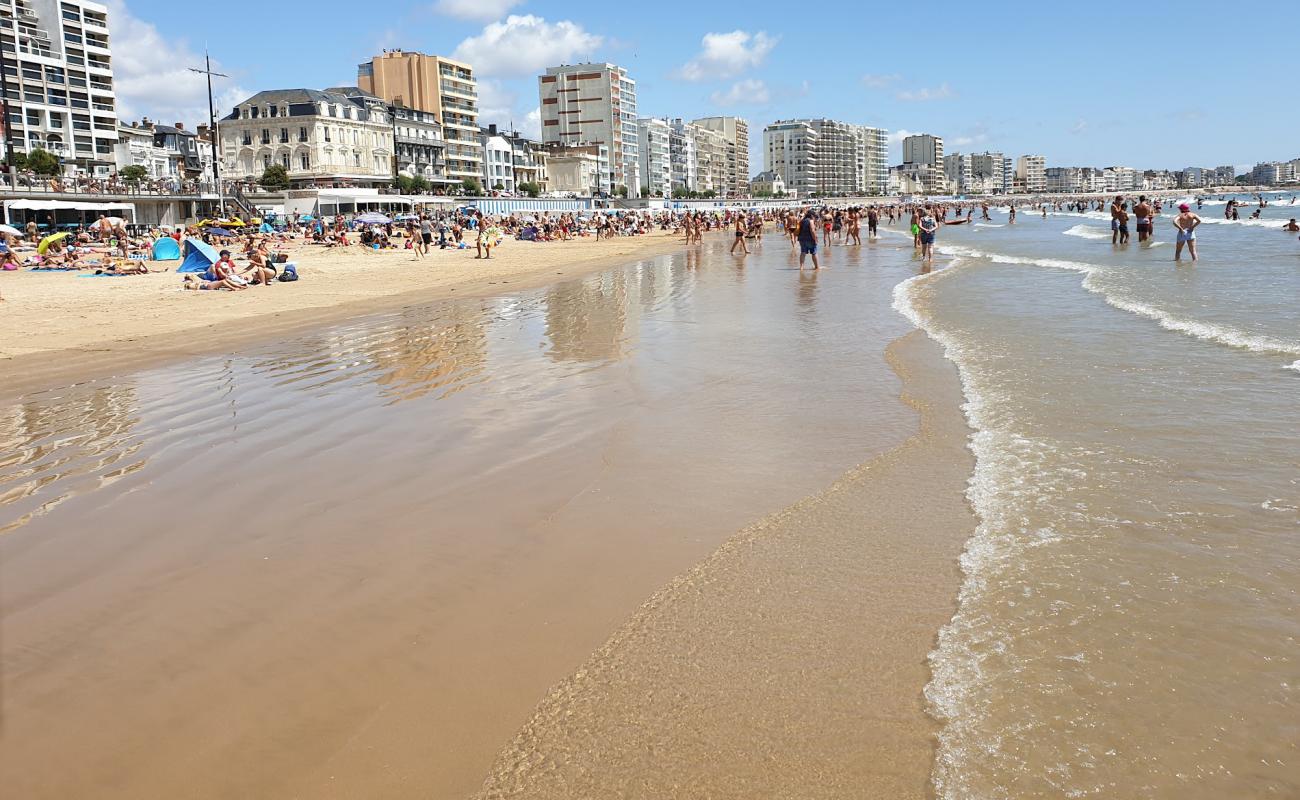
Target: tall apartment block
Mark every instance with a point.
(827, 157)
(1033, 171)
(594, 104)
(59, 75)
(736, 133)
(437, 85)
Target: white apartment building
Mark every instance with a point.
(336, 137)
(498, 164)
(1124, 179)
(682, 159)
(1032, 170)
(710, 160)
(991, 172)
(584, 104)
(135, 147)
(654, 147)
(59, 73)
(827, 157)
(735, 131)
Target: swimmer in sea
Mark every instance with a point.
(1291, 227)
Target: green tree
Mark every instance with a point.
(19, 160)
(275, 178)
(43, 162)
(620, 191)
(709, 195)
(134, 173)
(531, 189)
(498, 186)
(471, 187)
(412, 184)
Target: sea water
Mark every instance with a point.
(1129, 625)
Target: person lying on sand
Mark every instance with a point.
(196, 282)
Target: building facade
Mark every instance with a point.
(594, 104)
(767, 184)
(735, 132)
(1032, 170)
(923, 162)
(421, 151)
(60, 77)
(957, 169)
(336, 137)
(436, 85)
(827, 157)
(683, 162)
(654, 149)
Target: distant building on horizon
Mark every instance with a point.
(923, 162)
(436, 85)
(594, 104)
(1032, 171)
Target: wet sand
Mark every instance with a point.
(789, 663)
(352, 562)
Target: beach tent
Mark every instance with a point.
(198, 256)
(166, 249)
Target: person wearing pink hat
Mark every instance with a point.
(1186, 222)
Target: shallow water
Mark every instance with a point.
(1128, 625)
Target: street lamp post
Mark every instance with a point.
(212, 126)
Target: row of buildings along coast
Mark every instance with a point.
(416, 115)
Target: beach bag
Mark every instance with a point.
(289, 274)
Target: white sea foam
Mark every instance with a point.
(1222, 334)
(1294, 365)
(1088, 232)
(988, 225)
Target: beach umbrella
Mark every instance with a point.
(10, 230)
(49, 240)
(372, 218)
(220, 232)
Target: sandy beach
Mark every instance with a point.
(98, 326)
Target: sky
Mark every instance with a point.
(1146, 85)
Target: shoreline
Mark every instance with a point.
(757, 634)
(67, 355)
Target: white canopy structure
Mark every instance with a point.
(67, 205)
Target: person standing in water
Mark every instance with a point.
(808, 239)
(928, 227)
(1143, 213)
(740, 236)
(1186, 222)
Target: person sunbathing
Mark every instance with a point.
(259, 269)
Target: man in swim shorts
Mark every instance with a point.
(1186, 222)
(808, 239)
(1114, 218)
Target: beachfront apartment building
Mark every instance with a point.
(655, 151)
(340, 137)
(735, 132)
(419, 146)
(1227, 175)
(511, 160)
(1032, 171)
(710, 161)
(1275, 173)
(920, 151)
(436, 85)
(683, 163)
(59, 82)
(827, 157)
(594, 104)
(957, 170)
(1124, 179)
(991, 172)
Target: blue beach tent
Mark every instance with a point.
(198, 256)
(166, 249)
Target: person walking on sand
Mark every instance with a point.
(808, 239)
(740, 236)
(1186, 222)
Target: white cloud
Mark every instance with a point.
(523, 45)
(749, 92)
(942, 92)
(897, 137)
(475, 9)
(880, 81)
(151, 74)
(726, 55)
(532, 124)
(1080, 126)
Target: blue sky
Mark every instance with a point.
(1142, 85)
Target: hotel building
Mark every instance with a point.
(594, 104)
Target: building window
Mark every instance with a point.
(356, 159)
(284, 160)
(266, 162)
(327, 133)
(248, 137)
(266, 136)
(302, 134)
(284, 136)
(305, 160)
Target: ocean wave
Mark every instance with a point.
(1088, 232)
(987, 225)
(1294, 365)
(1208, 331)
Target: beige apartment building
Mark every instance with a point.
(594, 104)
(437, 85)
(735, 131)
